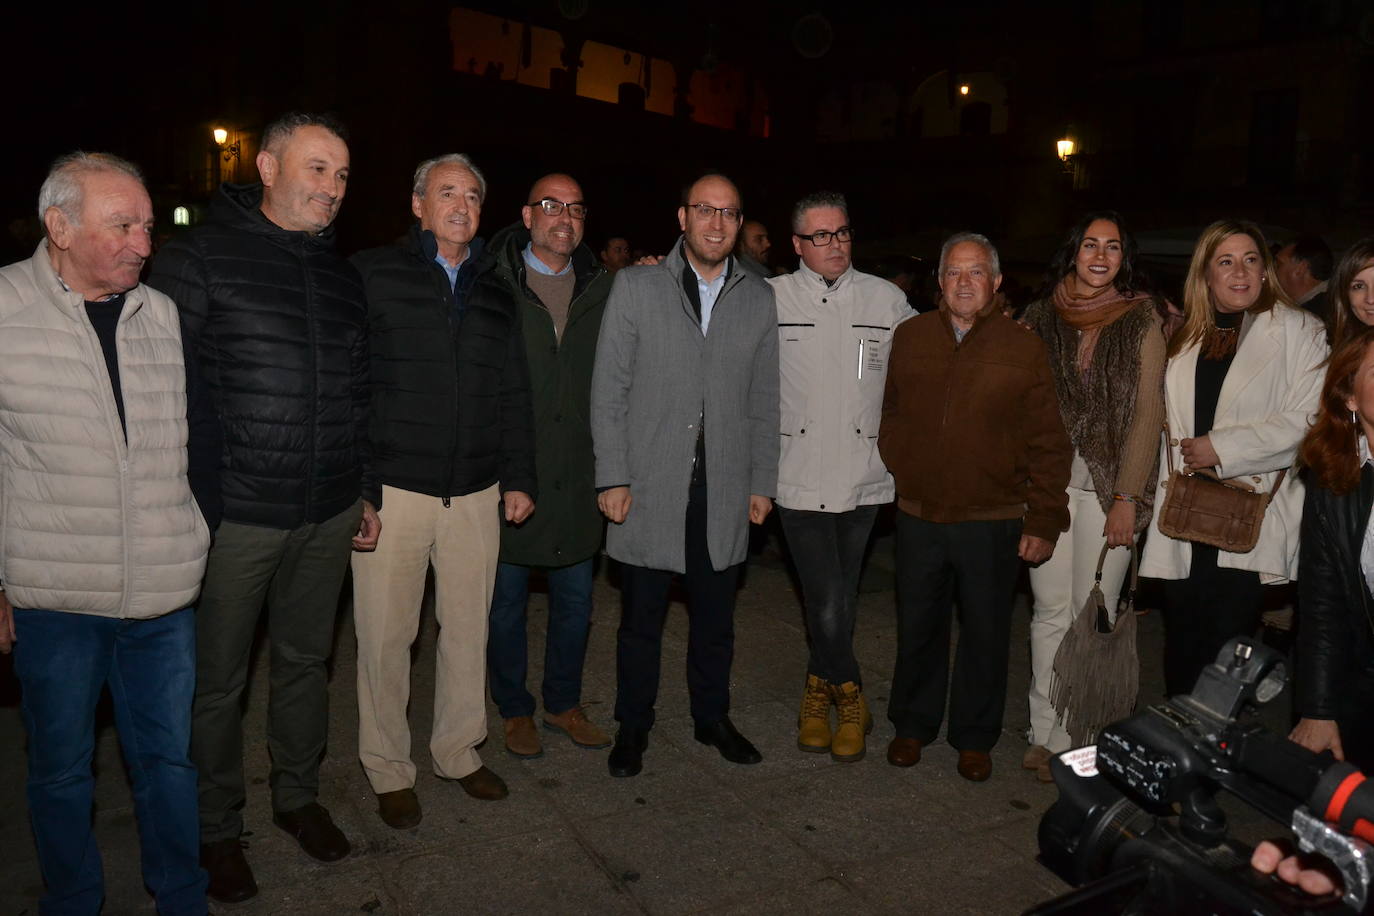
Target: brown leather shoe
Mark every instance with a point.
(904, 752)
(521, 739)
(975, 766)
(1036, 756)
(575, 724)
(399, 810)
(484, 784)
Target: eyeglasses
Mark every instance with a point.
(706, 211)
(553, 207)
(822, 238)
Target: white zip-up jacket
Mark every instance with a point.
(833, 345)
(92, 521)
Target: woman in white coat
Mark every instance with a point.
(1242, 384)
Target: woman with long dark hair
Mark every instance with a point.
(1352, 292)
(1243, 381)
(1335, 676)
(1105, 340)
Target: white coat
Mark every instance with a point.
(833, 345)
(1267, 402)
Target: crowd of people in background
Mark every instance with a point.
(183, 453)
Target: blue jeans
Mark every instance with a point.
(565, 647)
(63, 660)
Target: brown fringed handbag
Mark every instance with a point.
(1200, 506)
(1096, 676)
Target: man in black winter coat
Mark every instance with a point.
(453, 455)
(279, 321)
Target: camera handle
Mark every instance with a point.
(1349, 854)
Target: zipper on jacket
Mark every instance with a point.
(314, 383)
(121, 441)
(451, 302)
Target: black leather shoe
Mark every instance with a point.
(627, 757)
(231, 880)
(724, 737)
(313, 828)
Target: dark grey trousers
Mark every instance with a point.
(297, 574)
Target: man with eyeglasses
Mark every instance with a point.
(685, 427)
(835, 327)
(453, 440)
(555, 283)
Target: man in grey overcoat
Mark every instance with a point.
(685, 406)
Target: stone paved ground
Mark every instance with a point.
(796, 834)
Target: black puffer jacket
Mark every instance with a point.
(1335, 635)
(280, 324)
(450, 397)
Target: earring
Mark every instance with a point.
(1354, 419)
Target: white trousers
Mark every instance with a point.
(1061, 587)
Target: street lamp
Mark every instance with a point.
(231, 150)
(1064, 148)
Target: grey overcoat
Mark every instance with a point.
(654, 372)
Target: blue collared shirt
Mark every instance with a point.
(452, 269)
(710, 291)
(533, 263)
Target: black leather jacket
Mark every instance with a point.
(1336, 610)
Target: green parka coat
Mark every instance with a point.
(566, 526)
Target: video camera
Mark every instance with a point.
(1137, 827)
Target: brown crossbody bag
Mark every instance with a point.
(1200, 506)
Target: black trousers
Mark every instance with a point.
(828, 550)
(1202, 612)
(976, 565)
(711, 630)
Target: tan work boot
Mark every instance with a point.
(854, 722)
(813, 722)
(521, 739)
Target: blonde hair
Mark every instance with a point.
(1198, 304)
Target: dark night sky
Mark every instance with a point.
(98, 78)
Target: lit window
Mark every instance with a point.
(181, 217)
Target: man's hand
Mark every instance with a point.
(759, 507)
(1318, 735)
(1315, 876)
(369, 529)
(6, 624)
(518, 506)
(650, 260)
(1034, 550)
(1120, 527)
(1198, 453)
(614, 503)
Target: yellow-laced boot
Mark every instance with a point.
(813, 722)
(851, 709)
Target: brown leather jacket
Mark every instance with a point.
(971, 429)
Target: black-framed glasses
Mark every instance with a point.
(552, 206)
(822, 238)
(706, 211)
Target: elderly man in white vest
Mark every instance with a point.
(108, 482)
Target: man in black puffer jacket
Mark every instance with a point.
(280, 324)
(453, 452)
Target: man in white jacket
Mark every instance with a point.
(835, 328)
(104, 436)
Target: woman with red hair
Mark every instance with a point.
(1336, 629)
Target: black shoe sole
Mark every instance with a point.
(623, 772)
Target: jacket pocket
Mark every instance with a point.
(796, 454)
